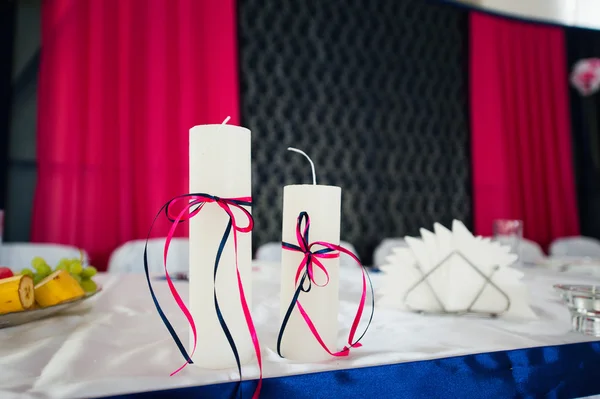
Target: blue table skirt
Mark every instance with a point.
(563, 371)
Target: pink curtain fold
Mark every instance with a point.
(520, 124)
(120, 84)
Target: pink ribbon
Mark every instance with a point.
(193, 205)
(306, 270)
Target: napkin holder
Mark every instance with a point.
(487, 281)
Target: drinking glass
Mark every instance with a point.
(510, 233)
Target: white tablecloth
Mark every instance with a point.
(116, 343)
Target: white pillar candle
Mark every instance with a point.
(323, 205)
(220, 165)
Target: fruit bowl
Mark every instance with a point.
(33, 294)
(26, 316)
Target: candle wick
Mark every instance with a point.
(312, 165)
(223, 124)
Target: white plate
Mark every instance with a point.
(26, 316)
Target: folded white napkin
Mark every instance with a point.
(456, 265)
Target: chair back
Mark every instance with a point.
(531, 252)
(129, 257)
(385, 248)
(18, 255)
(576, 246)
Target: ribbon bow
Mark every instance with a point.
(193, 205)
(305, 274)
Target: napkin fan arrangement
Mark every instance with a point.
(454, 272)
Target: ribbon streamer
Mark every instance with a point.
(305, 274)
(193, 205)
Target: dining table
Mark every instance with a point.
(115, 345)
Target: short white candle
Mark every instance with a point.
(323, 205)
(220, 164)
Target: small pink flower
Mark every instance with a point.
(585, 76)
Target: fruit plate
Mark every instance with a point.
(26, 316)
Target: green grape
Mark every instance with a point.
(63, 264)
(41, 267)
(43, 270)
(27, 272)
(38, 262)
(77, 277)
(75, 267)
(89, 272)
(88, 285)
(37, 278)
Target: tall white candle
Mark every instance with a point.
(323, 205)
(220, 165)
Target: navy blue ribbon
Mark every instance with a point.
(194, 207)
(302, 232)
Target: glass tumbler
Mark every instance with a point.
(510, 233)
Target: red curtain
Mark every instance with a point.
(520, 123)
(120, 84)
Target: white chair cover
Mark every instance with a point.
(531, 252)
(575, 246)
(18, 255)
(385, 248)
(129, 257)
(271, 252)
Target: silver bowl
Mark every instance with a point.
(583, 302)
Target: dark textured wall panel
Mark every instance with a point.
(585, 123)
(375, 91)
